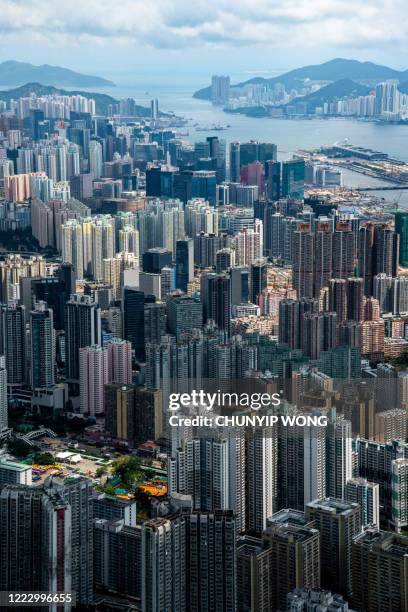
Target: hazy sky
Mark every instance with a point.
(198, 37)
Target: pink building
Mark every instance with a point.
(120, 361)
(94, 374)
(254, 174)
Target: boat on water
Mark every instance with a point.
(211, 128)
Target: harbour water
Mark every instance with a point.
(288, 135)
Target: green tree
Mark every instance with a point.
(44, 459)
(128, 470)
(18, 448)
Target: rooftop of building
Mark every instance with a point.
(333, 506)
(9, 464)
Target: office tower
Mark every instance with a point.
(343, 252)
(182, 186)
(95, 159)
(184, 263)
(261, 477)
(82, 328)
(218, 156)
(301, 600)
(380, 572)
(42, 347)
(150, 284)
(13, 472)
(120, 360)
(216, 299)
(338, 457)
(36, 530)
(399, 469)
(355, 299)
(235, 162)
(54, 290)
(203, 185)
(133, 318)
(253, 174)
(240, 285)
(259, 278)
(293, 179)
(154, 260)
(367, 495)
(273, 179)
(257, 151)
(220, 86)
(294, 560)
(338, 523)
(154, 322)
(184, 314)
(115, 321)
(338, 298)
(117, 557)
(224, 260)
(401, 228)
(13, 342)
(94, 374)
(303, 262)
(3, 396)
(253, 575)
(167, 281)
(154, 109)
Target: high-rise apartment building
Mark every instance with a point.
(338, 523)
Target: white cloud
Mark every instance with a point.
(182, 23)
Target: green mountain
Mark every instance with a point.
(102, 100)
(344, 88)
(365, 73)
(17, 73)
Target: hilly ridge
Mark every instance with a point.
(338, 69)
(18, 73)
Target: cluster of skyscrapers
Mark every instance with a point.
(163, 266)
